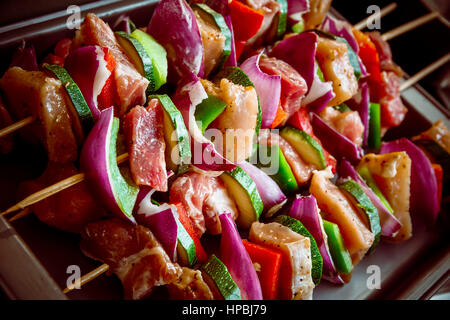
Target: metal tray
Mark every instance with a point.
(34, 257)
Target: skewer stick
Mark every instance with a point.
(424, 72)
(46, 192)
(21, 214)
(53, 189)
(409, 26)
(16, 126)
(89, 276)
(377, 15)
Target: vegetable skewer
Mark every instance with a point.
(377, 15)
(405, 85)
(66, 183)
(387, 36)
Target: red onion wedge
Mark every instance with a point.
(98, 162)
(175, 27)
(268, 88)
(305, 210)
(296, 8)
(334, 142)
(124, 23)
(161, 220)
(390, 225)
(319, 94)
(269, 191)
(87, 67)
(423, 186)
(300, 52)
(25, 57)
(235, 257)
(189, 94)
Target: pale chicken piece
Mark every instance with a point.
(204, 199)
(212, 38)
(439, 133)
(392, 173)
(347, 123)
(237, 123)
(190, 286)
(297, 271)
(33, 93)
(300, 168)
(335, 64)
(317, 12)
(338, 209)
(270, 9)
(131, 85)
(132, 253)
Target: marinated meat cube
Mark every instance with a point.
(33, 93)
(133, 254)
(293, 86)
(334, 62)
(212, 38)
(338, 209)
(204, 198)
(143, 128)
(190, 286)
(130, 84)
(70, 209)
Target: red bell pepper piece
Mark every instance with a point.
(300, 120)
(439, 174)
(239, 48)
(108, 97)
(369, 55)
(202, 257)
(279, 117)
(268, 269)
(54, 59)
(246, 21)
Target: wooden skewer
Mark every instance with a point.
(16, 126)
(21, 214)
(89, 276)
(377, 15)
(53, 189)
(424, 72)
(360, 25)
(409, 26)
